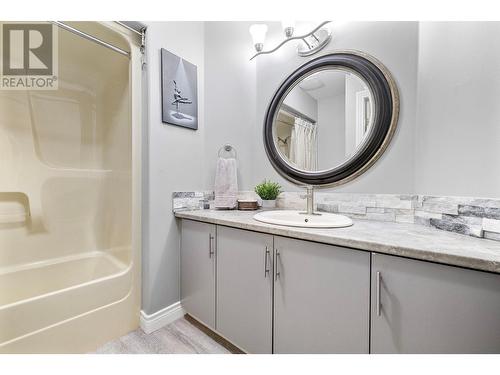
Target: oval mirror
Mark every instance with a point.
(331, 119)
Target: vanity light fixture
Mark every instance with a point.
(311, 42)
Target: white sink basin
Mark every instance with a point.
(300, 219)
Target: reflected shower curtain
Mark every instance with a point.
(303, 145)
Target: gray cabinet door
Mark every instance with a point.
(198, 252)
(432, 308)
(244, 288)
(321, 298)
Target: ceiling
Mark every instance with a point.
(325, 84)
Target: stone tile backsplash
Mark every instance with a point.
(468, 216)
(189, 200)
(192, 200)
(464, 215)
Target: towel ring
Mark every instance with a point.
(227, 148)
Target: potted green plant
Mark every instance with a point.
(268, 191)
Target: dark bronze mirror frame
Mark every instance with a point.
(386, 103)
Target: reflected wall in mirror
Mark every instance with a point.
(323, 119)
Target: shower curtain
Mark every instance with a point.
(303, 145)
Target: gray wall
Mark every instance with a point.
(393, 43)
(229, 97)
(302, 102)
(458, 134)
(179, 159)
(173, 162)
(331, 131)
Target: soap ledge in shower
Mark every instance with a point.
(14, 207)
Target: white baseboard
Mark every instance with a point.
(153, 322)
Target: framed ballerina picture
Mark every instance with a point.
(179, 91)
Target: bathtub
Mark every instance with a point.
(55, 298)
(70, 200)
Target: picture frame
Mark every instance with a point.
(179, 91)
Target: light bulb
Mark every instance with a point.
(288, 28)
(258, 33)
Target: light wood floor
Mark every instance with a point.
(179, 337)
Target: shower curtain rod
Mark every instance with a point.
(294, 112)
(91, 38)
(138, 32)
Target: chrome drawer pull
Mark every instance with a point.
(378, 293)
(278, 272)
(267, 255)
(210, 248)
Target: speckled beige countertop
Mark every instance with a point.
(408, 240)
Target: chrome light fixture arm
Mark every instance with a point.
(304, 37)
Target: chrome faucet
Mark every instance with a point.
(310, 200)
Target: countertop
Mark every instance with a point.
(407, 240)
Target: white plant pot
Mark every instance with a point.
(271, 203)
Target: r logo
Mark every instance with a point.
(27, 49)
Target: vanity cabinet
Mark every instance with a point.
(423, 307)
(271, 294)
(245, 288)
(198, 254)
(321, 298)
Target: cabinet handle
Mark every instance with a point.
(267, 255)
(277, 264)
(378, 292)
(210, 248)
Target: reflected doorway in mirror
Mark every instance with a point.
(363, 115)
